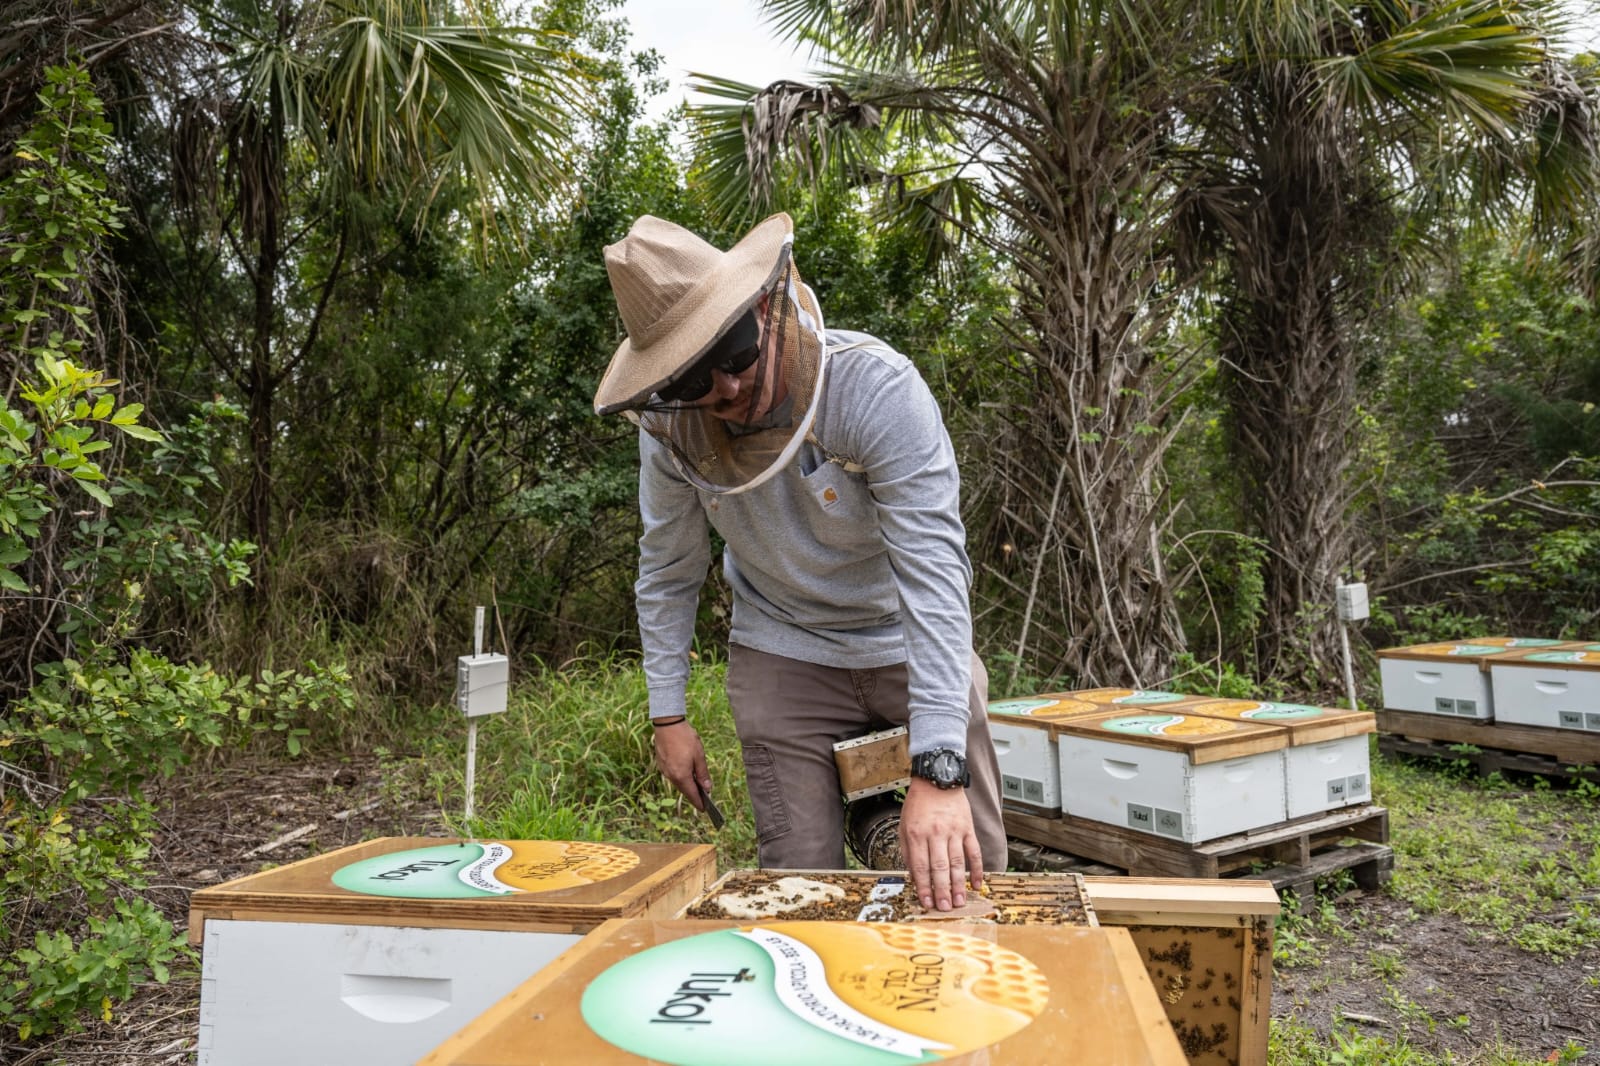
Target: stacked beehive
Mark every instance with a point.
(376, 952)
(1191, 768)
(1515, 680)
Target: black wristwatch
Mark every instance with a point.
(943, 767)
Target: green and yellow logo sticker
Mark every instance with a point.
(1022, 707)
(1472, 649)
(800, 993)
(1169, 725)
(1260, 710)
(1563, 657)
(480, 869)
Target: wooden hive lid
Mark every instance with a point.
(785, 993)
(1570, 656)
(1044, 711)
(1202, 739)
(455, 883)
(1137, 697)
(1478, 650)
(1306, 724)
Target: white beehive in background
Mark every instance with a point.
(1327, 764)
(1557, 687)
(1024, 733)
(1173, 773)
(1449, 677)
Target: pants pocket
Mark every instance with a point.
(766, 794)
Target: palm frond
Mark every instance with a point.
(815, 130)
(936, 215)
(1466, 60)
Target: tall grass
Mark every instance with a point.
(572, 758)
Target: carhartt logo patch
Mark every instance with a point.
(829, 497)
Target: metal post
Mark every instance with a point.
(472, 758)
(1349, 671)
(472, 723)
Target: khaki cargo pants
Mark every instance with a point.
(790, 713)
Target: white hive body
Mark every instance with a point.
(1327, 764)
(1175, 775)
(1449, 677)
(1556, 687)
(375, 953)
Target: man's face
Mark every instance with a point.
(729, 398)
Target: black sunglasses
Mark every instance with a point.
(732, 353)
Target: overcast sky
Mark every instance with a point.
(727, 38)
(722, 37)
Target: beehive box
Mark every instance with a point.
(376, 952)
(1024, 735)
(841, 993)
(1173, 774)
(1207, 946)
(1557, 687)
(873, 896)
(1450, 677)
(1326, 765)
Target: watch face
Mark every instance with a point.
(944, 768)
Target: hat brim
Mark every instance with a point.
(729, 290)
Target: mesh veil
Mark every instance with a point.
(726, 459)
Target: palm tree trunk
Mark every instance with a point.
(1301, 273)
(1291, 396)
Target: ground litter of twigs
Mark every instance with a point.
(1454, 991)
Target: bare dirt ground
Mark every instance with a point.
(1446, 988)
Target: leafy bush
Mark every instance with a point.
(81, 748)
(84, 734)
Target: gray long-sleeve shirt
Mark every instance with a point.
(827, 565)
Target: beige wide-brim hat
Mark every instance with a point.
(677, 294)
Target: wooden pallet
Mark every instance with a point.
(1489, 760)
(1292, 855)
(1568, 754)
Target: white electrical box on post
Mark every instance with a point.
(1352, 602)
(481, 683)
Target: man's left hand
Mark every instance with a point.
(939, 843)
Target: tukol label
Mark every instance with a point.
(798, 993)
(482, 869)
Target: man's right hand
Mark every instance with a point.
(680, 755)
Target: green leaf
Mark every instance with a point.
(97, 492)
(9, 580)
(142, 433)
